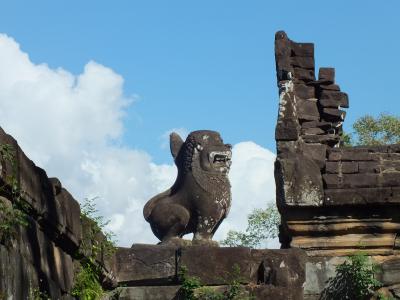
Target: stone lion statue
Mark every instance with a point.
(200, 198)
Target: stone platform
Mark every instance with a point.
(152, 271)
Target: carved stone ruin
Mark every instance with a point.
(200, 198)
(334, 201)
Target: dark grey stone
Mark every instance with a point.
(302, 49)
(333, 99)
(303, 62)
(305, 75)
(327, 75)
(369, 167)
(289, 130)
(305, 188)
(332, 114)
(216, 266)
(390, 272)
(350, 180)
(360, 196)
(148, 293)
(145, 264)
(200, 198)
(304, 91)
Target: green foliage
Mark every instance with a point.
(192, 289)
(355, 279)
(93, 242)
(262, 225)
(12, 213)
(383, 297)
(87, 284)
(189, 284)
(36, 294)
(382, 130)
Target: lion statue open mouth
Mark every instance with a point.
(200, 198)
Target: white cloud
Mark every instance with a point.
(71, 126)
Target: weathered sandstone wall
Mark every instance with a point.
(42, 257)
(334, 201)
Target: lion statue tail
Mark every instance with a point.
(148, 208)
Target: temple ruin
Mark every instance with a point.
(334, 201)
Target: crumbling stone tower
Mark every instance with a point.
(334, 201)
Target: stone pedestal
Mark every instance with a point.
(152, 271)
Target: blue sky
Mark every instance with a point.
(210, 64)
(68, 67)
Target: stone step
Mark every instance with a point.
(145, 293)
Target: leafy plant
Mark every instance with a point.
(96, 241)
(368, 130)
(189, 284)
(262, 225)
(87, 284)
(36, 294)
(13, 213)
(355, 279)
(192, 289)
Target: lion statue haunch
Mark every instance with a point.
(200, 198)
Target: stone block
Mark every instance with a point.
(360, 196)
(305, 75)
(304, 91)
(312, 131)
(56, 183)
(149, 293)
(282, 44)
(328, 139)
(318, 272)
(395, 290)
(390, 179)
(262, 292)
(305, 188)
(328, 87)
(320, 124)
(286, 149)
(303, 62)
(287, 130)
(73, 228)
(38, 191)
(327, 75)
(332, 167)
(145, 264)
(341, 225)
(17, 276)
(315, 152)
(333, 99)
(307, 110)
(282, 56)
(302, 49)
(390, 272)
(351, 154)
(345, 241)
(332, 114)
(369, 167)
(346, 167)
(333, 181)
(391, 166)
(216, 266)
